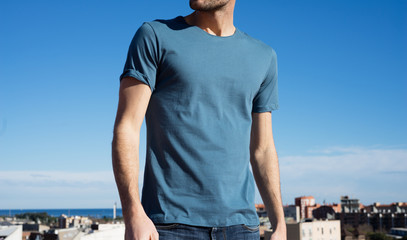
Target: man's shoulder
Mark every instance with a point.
(258, 44)
(161, 24)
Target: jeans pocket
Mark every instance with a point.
(165, 225)
(251, 228)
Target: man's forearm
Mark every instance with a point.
(267, 175)
(125, 162)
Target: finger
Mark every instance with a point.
(154, 236)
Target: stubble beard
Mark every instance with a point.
(207, 5)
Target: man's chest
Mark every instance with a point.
(210, 68)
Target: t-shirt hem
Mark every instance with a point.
(195, 222)
(266, 109)
(137, 75)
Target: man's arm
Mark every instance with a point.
(134, 97)
(264, 162)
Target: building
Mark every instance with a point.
(350, 205)
(324, 212)
(62, 234)
(35, 227)
(105, 232)
(306, 205)
(63, 222)
(291, 213)
(381, 217)
(386, 216)
(73, 221)
(14, 232)
(396, 207)
(386, 221)
(261, 210)
(312, 230)
(398, 233)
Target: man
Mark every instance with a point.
(206, 90)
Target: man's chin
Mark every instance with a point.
(208, 6)
(195, 5)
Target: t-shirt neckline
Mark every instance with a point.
(182, 20)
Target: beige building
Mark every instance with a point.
(73, 221)
(312, 230)
(13, 232)
(105, 232)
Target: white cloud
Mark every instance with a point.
(346, 161)
(369, 174)
(59, 189)
(55, 177)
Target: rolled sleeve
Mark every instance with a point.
(266, 99)
(142, 57)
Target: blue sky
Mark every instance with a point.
(340, 129)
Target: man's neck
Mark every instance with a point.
(219, 23)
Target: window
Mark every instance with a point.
(322, 230)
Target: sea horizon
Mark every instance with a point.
(56, 212)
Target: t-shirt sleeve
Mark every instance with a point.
(266, 99)
(142, 56)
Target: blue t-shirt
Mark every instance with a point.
(204, 89)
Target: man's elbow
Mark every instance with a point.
(126, 127)
(125, 134)
(260, 148)
(261, 154)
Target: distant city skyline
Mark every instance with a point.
(340, 130)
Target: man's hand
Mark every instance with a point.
(279, 234)
(141, 228)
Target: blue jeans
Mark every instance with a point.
(178, 231)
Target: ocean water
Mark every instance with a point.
(86, 212)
